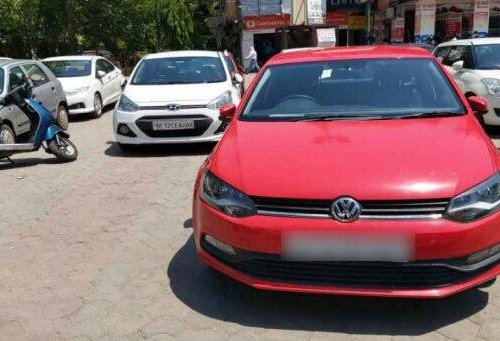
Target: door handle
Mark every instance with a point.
(53, 88)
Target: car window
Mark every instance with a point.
(2, 82)
(458, 53)
(101, 66)
(69, 68)
(16, 77)
(35, 74)
(179, 70)
(353, 88)
(488, 56)
(108, 67)
(442, 53)
(230, 64)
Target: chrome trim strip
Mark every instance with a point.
(293, 214)
(362, 216)
(413, 209)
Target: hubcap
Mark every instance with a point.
(97, 105)
(6, 137)
(66, 148)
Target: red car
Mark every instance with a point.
(355, 171)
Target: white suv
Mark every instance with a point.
(475, 65)
(174, 97)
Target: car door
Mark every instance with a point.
(106, 83)
(115, 75)
(16, 77)
(43, 89)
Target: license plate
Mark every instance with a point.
(307, 246)
(173, 124)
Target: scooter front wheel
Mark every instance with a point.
(63, 149)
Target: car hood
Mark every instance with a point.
(179, 93)
(72, 83)
(489, 73)
(370, 160)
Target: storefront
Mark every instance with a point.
(349, 17)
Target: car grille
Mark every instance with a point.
(410, 275)
(423, 209)
(180, 107)
(201, 124)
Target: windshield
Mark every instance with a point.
(381, 88)
(70, 68)
(2, 76)
(179, 70)
(487, 56)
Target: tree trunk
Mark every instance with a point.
(69, 7)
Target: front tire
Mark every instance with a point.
(7, 136)
(63, 149)
(97, 106)
(62, 117)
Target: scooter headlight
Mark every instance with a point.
(225, 198)
(477, 202)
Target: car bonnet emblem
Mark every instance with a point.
(345, 209)
(173, 107)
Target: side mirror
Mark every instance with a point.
(458, 66)
(226, 112)
(123, 83)
(478, 104)
(237, 78)
(101, 74)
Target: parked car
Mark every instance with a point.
(353, 171)
(234, 69)
(90, 82)
(475, 65)
(175, 97)
(45, 87)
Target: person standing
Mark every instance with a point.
(253, 65)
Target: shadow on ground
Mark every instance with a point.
(160, 150)
(216, 296)
(20, 162)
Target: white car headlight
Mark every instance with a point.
(223, 99)
(77, 91)
(492, 85)
(224, 197)
(477, 202)
(125, 104)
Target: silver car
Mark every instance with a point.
(45, 87)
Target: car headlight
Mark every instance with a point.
(125, 104)
(223, 99)
(492, 85)
(224, 197)
(477, 202)
(76, 91)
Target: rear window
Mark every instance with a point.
(359, 88)
(70, 68)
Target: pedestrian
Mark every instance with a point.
(253, 65)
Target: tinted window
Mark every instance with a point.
(35, 74)
(108, 66)
(360, 88)
(2, 82)
(70, 68)
(101, 66)
(179, 70)
(442, 53)
(16, 78)
(458, 53)
(230, 64)
(488, 56)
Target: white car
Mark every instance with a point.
(90, 82)
(475, 65)
(175, 97)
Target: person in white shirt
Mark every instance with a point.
(253, 65)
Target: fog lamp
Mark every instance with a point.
(124, 130)
(226, 248)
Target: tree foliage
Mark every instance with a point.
(125, 27)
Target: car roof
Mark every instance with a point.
(78, 57)
(7, 62)
(475, 41)
(343, 53)
(190, 53)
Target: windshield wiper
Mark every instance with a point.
(331, 117)
(427, 114)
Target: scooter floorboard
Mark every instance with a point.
(18, 147)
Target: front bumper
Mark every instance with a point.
(437, 240)
(493, 115)
(208, 127)
(80, 103)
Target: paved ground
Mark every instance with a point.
(100, 249)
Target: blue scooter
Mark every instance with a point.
(44, 131)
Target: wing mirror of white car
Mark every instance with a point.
(123, 83)
(237, 78)
(458, 66)
(101, 74)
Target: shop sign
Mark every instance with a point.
(326, 37)
(265, 22)
(398, 30)
(356, 22)
(425, 17)
(337, 18)
(453, 25)
(258, 7)
(481, 17)
(315, 14)
(332, 5)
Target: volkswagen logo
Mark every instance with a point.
(346, 209)
(173, 107)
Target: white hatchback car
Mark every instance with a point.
(90, 82)
(174, 97)
(475, 65)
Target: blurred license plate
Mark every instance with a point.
(307, 246)
(173, 124)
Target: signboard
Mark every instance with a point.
(315, 14)
(332, 5)
(259, 7)
(265, 22)
(357, 22)
(398, 30)
(326, 37)
(453, 25)
(481, 17)
(337, 18)
(425, 18)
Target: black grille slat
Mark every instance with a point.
(201, 124)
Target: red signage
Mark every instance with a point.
(337, 18)
(266, 22)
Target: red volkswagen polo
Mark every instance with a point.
(357, 171)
